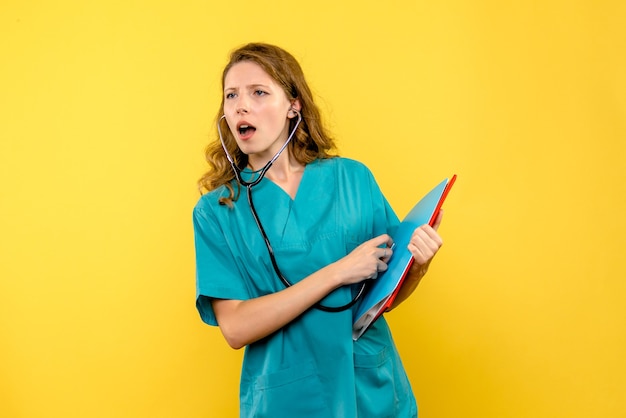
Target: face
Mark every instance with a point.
(257, 111)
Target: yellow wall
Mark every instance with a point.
(104, 113)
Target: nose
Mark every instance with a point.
(241, 106)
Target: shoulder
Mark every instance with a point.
(347, 175)
(209, 202)
(343, 165)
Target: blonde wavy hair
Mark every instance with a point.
(311, 140)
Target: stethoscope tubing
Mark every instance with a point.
(248, 185)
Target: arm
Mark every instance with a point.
(424, 244)
(245, 321)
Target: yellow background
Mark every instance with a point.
(105, 108)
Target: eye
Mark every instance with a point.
(260, 92)
(229, 95)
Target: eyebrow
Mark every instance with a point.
(250, 86)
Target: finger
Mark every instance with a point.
(417, 253)
(424, 244)
(387, 253)
(422, 255)
(382, 266)
(384, 253)
(380, 240)
(380, 246)
(427, 233)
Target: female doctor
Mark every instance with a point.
(285, 235)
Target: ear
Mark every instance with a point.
(295, 104)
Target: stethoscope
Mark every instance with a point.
(249, 184)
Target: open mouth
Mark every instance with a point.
(246, 131)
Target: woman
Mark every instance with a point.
(326, 226)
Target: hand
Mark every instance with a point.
(425, 242)
(365, 261)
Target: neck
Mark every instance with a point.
(282, 169)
